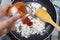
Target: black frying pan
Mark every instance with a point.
(50, 9)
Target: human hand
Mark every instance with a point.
(8, 25)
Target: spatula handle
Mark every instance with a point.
(55, 25)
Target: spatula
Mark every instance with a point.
(44, 16)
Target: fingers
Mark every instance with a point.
(5, 7)
(12, 28)
(3, 10)
(5, 31)
(9, 22)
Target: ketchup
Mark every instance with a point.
(27, 21)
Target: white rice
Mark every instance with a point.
(26, 31)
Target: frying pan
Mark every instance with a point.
(49, 28)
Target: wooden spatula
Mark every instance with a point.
(44, 16)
